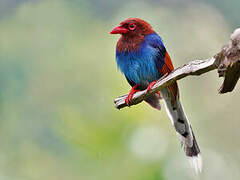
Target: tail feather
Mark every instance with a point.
(194, 150)
(196, 163)
(154, 101)
(183, 129)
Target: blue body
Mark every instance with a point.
(142, 66)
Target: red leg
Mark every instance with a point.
(130, 95)
(151, 85)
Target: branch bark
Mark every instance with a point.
(227, 61)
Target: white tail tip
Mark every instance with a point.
(196, 163)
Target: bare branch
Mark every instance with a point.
(196, 67)
(230, 63)
(227, 62)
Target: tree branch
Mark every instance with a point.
(227, 62)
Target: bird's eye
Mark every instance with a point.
(132, 26)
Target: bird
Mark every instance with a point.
(142, 57)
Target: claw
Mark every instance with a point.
(151, 85)
(130, 95)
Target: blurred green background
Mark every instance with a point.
(58, 79)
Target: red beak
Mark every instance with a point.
(119, 30)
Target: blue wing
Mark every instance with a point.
(155, 41)
(163, 62)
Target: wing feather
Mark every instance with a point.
(166, 69)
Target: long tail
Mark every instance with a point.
(183, 128)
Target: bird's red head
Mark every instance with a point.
(133, 26)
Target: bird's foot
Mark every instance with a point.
(151, 85)
(130, 95)
(159, 94)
